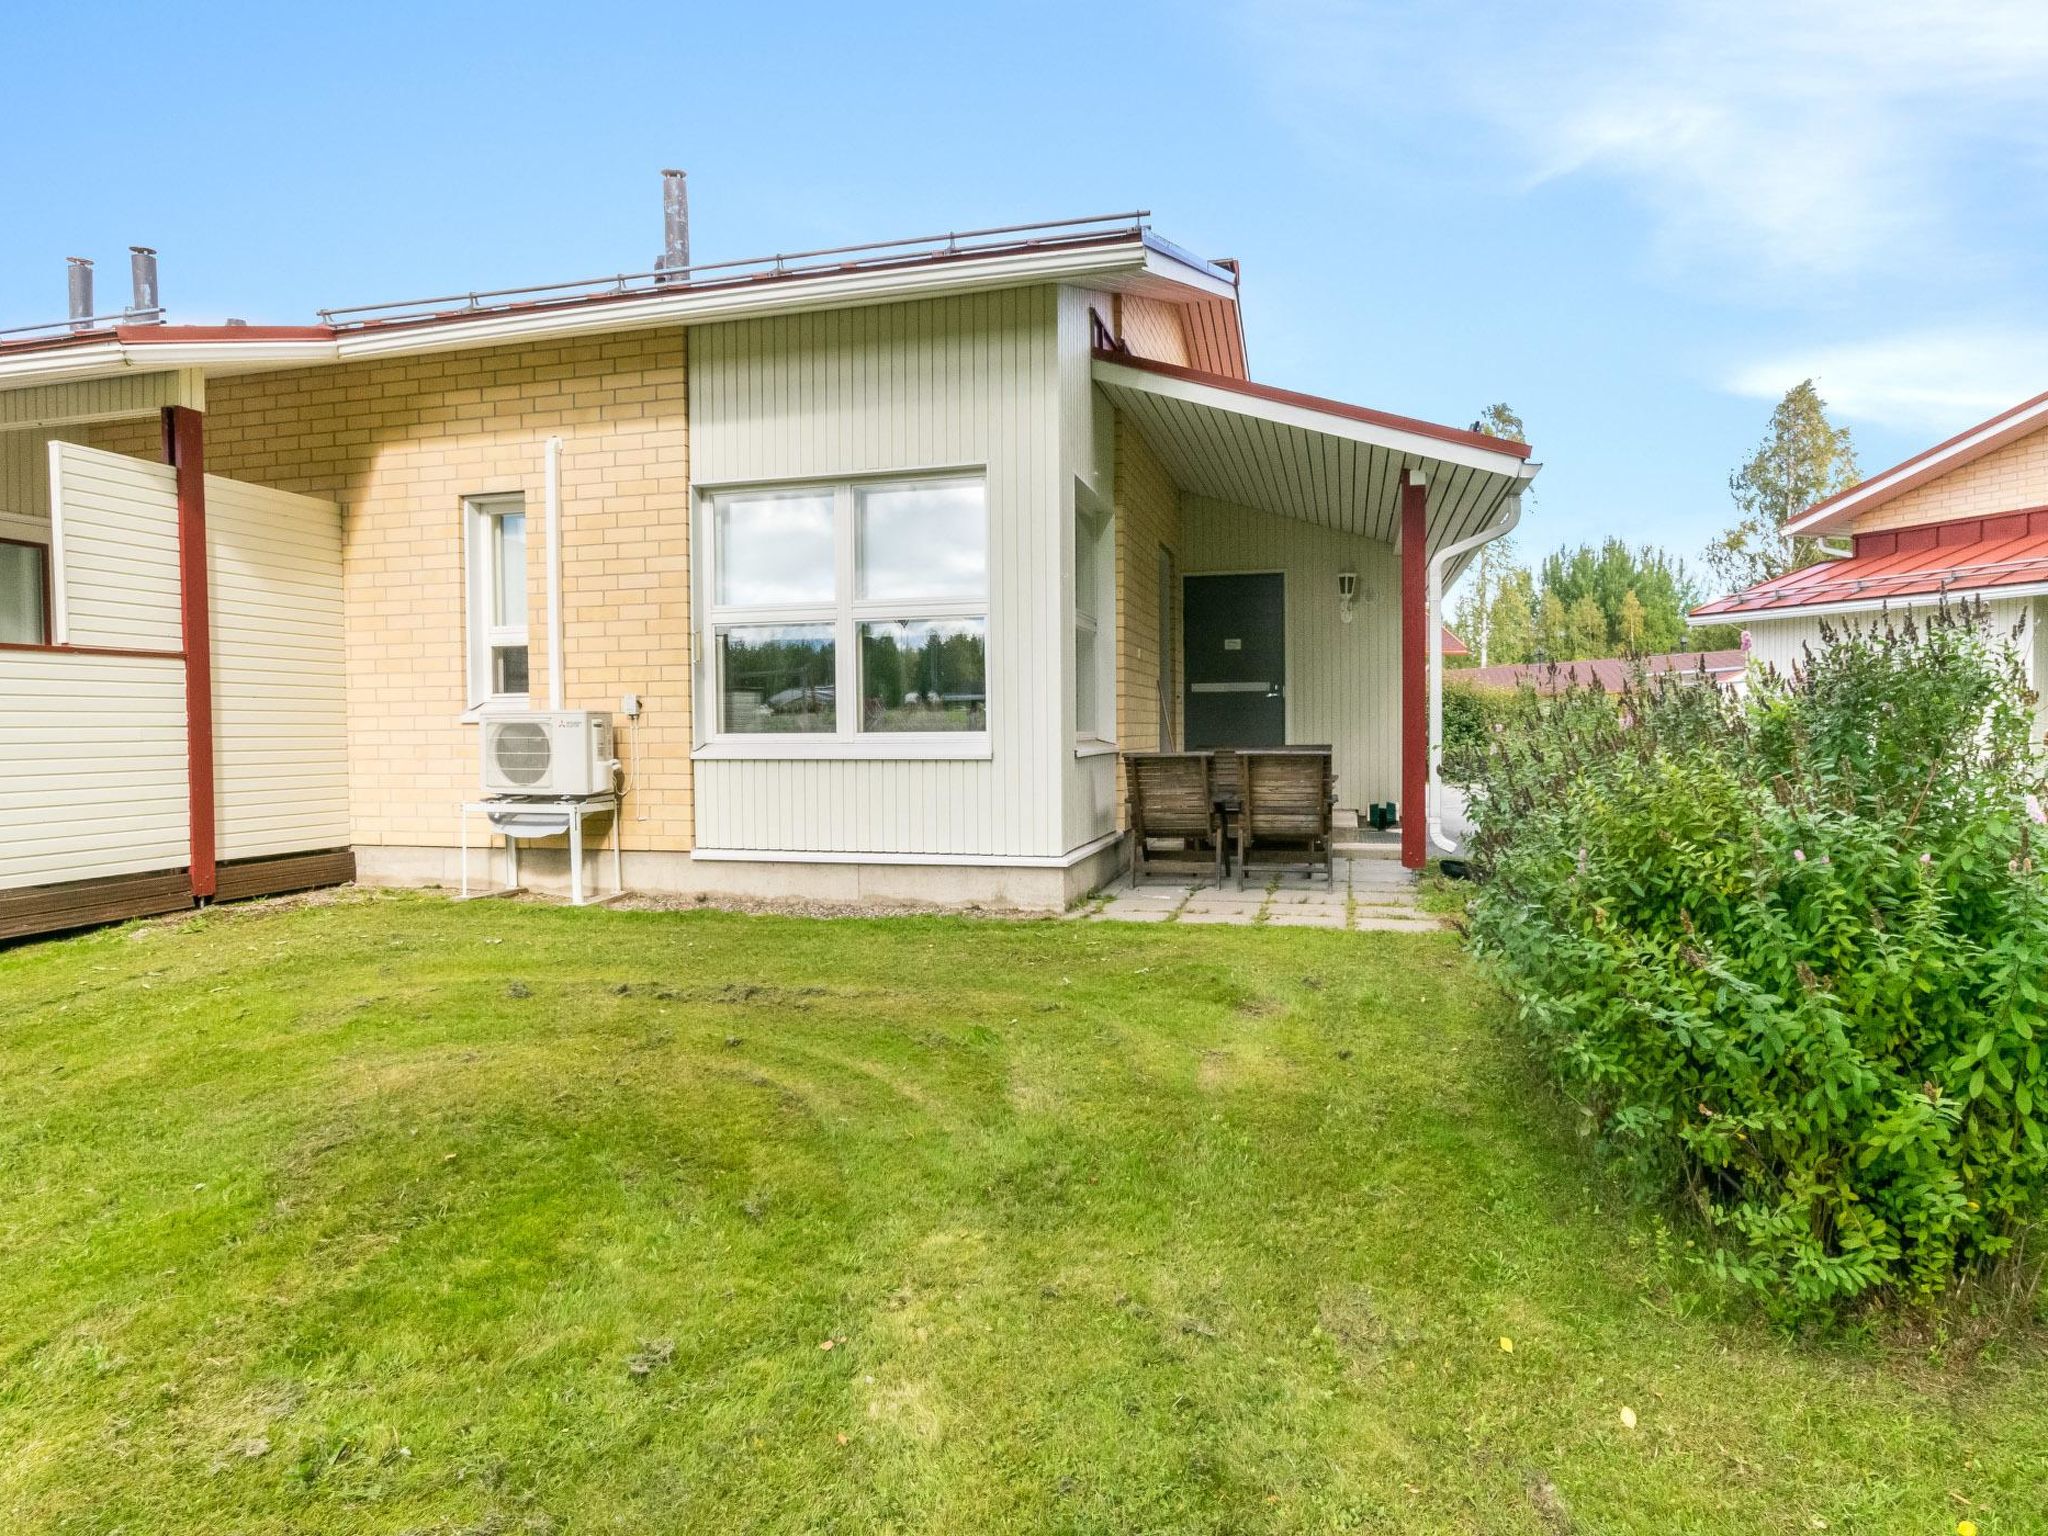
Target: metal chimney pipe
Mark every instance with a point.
(78, 279)
(675, 221)
(142, 273)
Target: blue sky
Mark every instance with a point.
(1636, 224)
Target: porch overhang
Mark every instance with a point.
(1322, 461)
(1437, 493)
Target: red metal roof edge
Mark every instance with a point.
(1879, 498)
(145, 335)
(170, 333)
(1317, 403)
(1946, 567)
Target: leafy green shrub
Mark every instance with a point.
(1471, 711)
(1791, 953)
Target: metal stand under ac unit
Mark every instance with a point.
(516, 817)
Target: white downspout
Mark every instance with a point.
(1438, 561)
(553, 493)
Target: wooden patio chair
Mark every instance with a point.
(1172, 795)
(1286, 798)
(1230, 797)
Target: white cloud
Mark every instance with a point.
(1818, 137)
(1933, 382)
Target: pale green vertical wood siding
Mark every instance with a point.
(1783, 643)
(2039, 676)
(25, 484)
(1343, 680)
(1088, 455)
(944, 383)
(102, 399)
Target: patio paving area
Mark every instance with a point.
(1372, 893)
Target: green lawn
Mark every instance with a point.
(392, 1215)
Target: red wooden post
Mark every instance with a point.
(185, 451)
(1415, 640)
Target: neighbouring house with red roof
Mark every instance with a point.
(1725, 669)
(1968, 518)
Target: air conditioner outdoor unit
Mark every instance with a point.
(560, 754)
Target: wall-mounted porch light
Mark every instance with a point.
(1347, 594)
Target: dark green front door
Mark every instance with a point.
(1235, 660)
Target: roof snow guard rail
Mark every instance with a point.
(1003, 239)
(89, 322)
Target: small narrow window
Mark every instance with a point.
(1169, 682)
(1094, 571)
(24, 593)
(497, 600)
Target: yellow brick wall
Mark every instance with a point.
(399, 444)
(2004, 480)
(1147, 520)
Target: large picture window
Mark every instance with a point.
(496, 538)
(852, 612)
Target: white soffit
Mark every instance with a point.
(1292, 460)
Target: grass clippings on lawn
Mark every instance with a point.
(386, 1214)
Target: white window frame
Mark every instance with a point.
(846, 612)
(479, 557)
(1094, 614)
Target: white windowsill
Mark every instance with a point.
(1094, 748)
(937, 746)
(510, 704)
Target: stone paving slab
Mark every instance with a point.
(1118, 913)
(1306, 917)
(1370, 894)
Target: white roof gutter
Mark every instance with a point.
(747, 300)
(1437, 564)
(105, 358)
(1111, 265)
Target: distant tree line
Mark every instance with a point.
(1618, 599)
(1610, 599)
